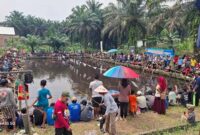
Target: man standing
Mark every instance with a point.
(96, 97)
(111, 110)
(196, 90)
(7, 103)
(62, 126)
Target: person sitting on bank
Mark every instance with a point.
(190, 114)
(50, 111)
(141, 102)
(42, 100)
(38, 115)
(150, 99)
(172, 97)
(184, 97)
(75, 110)
(86, 111)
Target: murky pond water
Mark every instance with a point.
(74, 76)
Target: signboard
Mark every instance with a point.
(139, 44)
(101, 46)
(158, 51)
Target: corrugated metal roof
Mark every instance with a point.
(7, 31)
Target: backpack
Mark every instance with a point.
(90, 112)
(28, 78)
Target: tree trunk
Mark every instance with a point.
(32, 49)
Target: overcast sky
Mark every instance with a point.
(48, 9)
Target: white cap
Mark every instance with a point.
(139, 93)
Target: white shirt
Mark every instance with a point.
(142, 102)
(172, 97)
(93, 85)
(157, 94)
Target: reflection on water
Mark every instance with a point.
(74, 76)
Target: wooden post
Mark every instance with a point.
(20, 104)
(26, 119)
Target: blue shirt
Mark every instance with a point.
(198, 81)
(180, 61)
(50, 120)
(75, 112)
(43, 99)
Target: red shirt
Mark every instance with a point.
(61, 121)
(176, 59)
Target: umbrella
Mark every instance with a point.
(8, 52)
(121, 72)
(112, 50)
(14, 49)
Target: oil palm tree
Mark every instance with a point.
(83, 24)
(18, 21)
(122, 19)
(95, 7)
(32, 41)
(193, 21)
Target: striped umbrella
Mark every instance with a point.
(121, 72)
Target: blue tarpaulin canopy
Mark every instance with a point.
(159, 51)
(198, 38)
(112, 50)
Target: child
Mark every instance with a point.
(50, 111)
(133, 103)
(184, 97)
(172, 97)
(189, 115)
(86, 111)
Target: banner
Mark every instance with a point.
(158, 51)
(198, 38)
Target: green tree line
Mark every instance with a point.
(154, 22)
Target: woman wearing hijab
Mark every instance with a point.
(160, 95)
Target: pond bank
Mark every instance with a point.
(138, 125)
(112, 63)
(144, 69)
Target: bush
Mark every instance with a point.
(185, 47)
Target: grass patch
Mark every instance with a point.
(136, 125)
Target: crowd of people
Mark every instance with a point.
(10, 61)
(185, 64)
(132, 102)
(105, 106)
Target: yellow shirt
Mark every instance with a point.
(193, 62)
